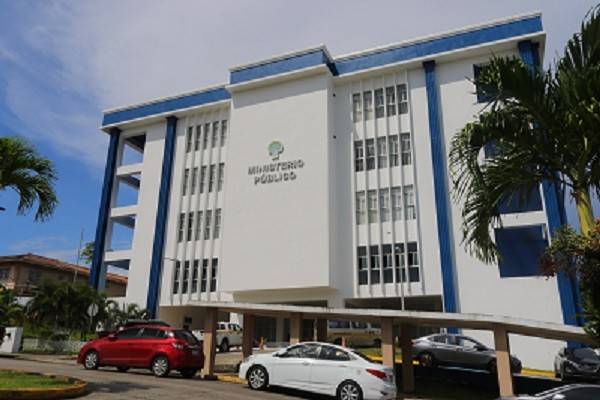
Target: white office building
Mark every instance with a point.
(310, 179)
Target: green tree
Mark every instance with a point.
(11, 313)
(88, 252)
(32, 176)
(543, 125)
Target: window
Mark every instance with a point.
(368, 105)
(215, 134)
(399, 259)
(359, 156)
(333, 354)
(206, 136)
(190, 227)
(409, 202)
(372, 203)
(195, 277)
(362, 265)
(413, 262)
(181, 227)
(356, 107)
(152, 333)
(131, 333)
(402, 99)
(207, 223)
(198, 137)
(186, 177)
(390, 100)
(204, 276)
(211, 179)
(361, 216)
(381, 152)
(188, 140)
(384, 205)
(374, 264)
(194, 180)
(393, 150)
(379, 104)
(221, 176)
(388, 263)
(217, 223)
(4, 274)
(213, 275)
(198, 225)
(223, 132)
(396, 198)
(405, 147)
(176, 277)
(370, 154)
(186, 277)
(202, 179)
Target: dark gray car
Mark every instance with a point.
(459, 351)
(577, 363)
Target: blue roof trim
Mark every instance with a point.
(290, 64)
(166, 106)
(440, 45)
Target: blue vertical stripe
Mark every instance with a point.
(161, 218)
(438, 157)
(555, 211)
(104, 211)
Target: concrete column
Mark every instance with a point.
(295, 327)
(387, 342)
(321, 330)
(248, 335)
(210, 342)
(408, 371)
(505, 382)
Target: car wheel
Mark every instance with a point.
(122, 369)
(160, 366)
(492, 367)
(349, 390)
(224, 346)
(426, 359)
(258, 379)
(376, 343)
(562, 376)
(188, 373)
(91, 360)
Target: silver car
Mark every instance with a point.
(459, 351)
(568, 392)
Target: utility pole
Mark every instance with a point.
(78, 256)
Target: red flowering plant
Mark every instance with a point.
(578, 255)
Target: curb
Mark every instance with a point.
(76, 389)
(231, 379)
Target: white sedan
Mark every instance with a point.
(321, 368)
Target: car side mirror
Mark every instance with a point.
(111, 337)
(480, 347)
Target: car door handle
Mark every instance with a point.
(343, 366)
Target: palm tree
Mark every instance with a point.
(542, 126)
(11, 313)
(29, 174)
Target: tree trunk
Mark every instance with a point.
(584, 210)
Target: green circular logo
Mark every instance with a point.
(275, 149)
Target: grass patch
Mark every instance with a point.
(18, 380)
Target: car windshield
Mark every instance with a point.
(584, 353)
(186, 336)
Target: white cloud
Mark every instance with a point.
(39, 244)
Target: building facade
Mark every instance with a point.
(22, 272)
(315, 180)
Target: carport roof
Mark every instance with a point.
(519, 326)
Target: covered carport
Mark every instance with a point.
(406, 320)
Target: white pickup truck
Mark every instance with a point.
(228, 334)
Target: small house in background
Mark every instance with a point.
(24, 271)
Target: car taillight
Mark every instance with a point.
(377, 373)
(178, 346)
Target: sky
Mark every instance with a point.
(62, 63)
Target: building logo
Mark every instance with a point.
(276, 171)
(275, 149)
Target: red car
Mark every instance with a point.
(159, 348)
